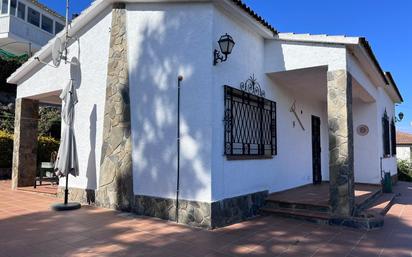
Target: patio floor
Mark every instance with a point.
(46, 188)
(29, 228)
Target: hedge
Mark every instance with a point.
(45, 146)
(404, 171)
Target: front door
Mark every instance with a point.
(316, 150)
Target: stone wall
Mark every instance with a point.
(84, 196)
(201, 214)
(25, 143)
(341, 164)
(116, 183)
(192, 213)
(233, 210)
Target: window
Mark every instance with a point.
(4, 6)
(385, 134)
(13, 7)
(33, 17)
(46, 24)
(393, 137)
(250, 124)
(58, 27)
(21, 11)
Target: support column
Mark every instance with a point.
(340, 121)
(25, 142)
(116, 180)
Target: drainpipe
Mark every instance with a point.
(179, 81)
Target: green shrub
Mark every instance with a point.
(45, 146)
(6, 149)
(404, 170)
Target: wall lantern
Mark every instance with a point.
(226, 45)
(400, 117)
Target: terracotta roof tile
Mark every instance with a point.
(403, 138)
(255, 15)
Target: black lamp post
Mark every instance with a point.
(226, 44)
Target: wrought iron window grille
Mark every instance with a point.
(249, 122)
(386, 135)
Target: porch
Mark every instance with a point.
(322, 125)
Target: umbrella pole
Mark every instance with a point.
(66, 191)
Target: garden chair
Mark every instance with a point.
(46, 173)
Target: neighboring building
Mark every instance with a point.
(27, 21)
(404, 146)
(283, 111)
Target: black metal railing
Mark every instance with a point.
(250, 124)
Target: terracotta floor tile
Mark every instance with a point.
(29, 228)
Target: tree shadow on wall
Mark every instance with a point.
(153, 89)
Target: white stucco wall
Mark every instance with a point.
(366, 154)
(167, 40)
(403, 152)
(288, 55)
(369, 149)
(293, 165)
(170, 39)
(92, 50)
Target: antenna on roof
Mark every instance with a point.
(59, 50)
(67, 28)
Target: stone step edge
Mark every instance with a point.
(389, 205)
(294, 213)
(299, 206)
(368, 202)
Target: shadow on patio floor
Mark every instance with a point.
(29, 228)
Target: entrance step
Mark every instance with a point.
(274, 204)
(318, 217)
(311, 203)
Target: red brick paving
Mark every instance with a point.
(29, 228)
(45, 188)
(319, 194)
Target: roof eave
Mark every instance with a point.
(395, 87)
(45, 52)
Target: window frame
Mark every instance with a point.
(43, 17)
(19, 4)
(4, 5)
(29, 9)
(55, 27)
(254, 138)
(11, 7)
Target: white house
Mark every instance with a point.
(284, 110)
(26, 24)
(404, 146)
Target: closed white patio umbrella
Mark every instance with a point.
(67, 162)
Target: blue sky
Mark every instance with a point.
(386, 24)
